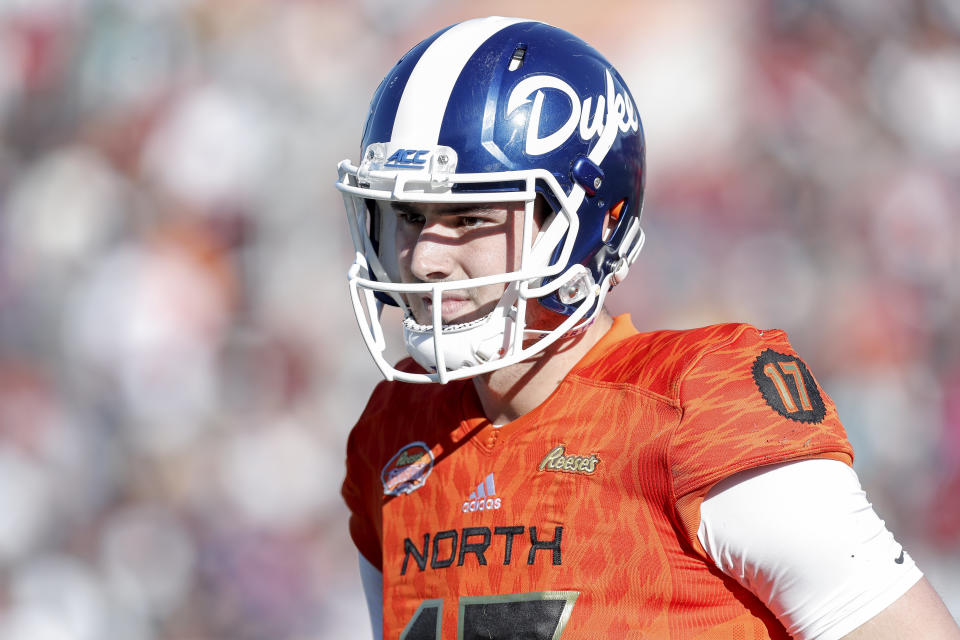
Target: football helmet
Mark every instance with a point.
(497, 110)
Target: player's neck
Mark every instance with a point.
(507, 394)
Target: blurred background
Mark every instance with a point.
(179, 365)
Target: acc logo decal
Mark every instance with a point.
(407, 159)
(788, 386)
(407, 470)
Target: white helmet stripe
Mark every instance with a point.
(428, 89)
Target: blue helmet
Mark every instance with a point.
(496, 110)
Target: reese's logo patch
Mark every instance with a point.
(407, 470)
(788, 386)
(558, 460)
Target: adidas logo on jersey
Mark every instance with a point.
(484, 498)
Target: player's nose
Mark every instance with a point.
(433, 254)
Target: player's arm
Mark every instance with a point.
(802, 537)
(919, 613)
(372, 581)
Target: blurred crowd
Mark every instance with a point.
(179, 365)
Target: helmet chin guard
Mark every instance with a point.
(497, 110)
(461, 346)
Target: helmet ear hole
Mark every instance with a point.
(612, 220)
(542, 210)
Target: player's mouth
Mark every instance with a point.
(451, 307)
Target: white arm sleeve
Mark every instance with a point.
(802, 537)
(372, 581)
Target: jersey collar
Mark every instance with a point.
(621, 330)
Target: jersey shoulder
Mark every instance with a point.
(398, 411)
(391, 435)
(390, 398)
(659, 360)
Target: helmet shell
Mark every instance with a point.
(513, 95)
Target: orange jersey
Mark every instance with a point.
(580, 517)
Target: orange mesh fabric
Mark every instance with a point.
(581, 514)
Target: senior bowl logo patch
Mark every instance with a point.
(407, 470)
(788, 386)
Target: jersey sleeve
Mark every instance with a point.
(362, 490)
(802, 537)
(747, 401)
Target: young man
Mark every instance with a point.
(564, 476)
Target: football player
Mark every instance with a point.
(562, 475)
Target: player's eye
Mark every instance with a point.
(471, 221)
(410, 218)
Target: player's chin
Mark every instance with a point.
(465, 317)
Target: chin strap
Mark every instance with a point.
(457, 346)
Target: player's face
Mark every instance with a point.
(440, 242)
